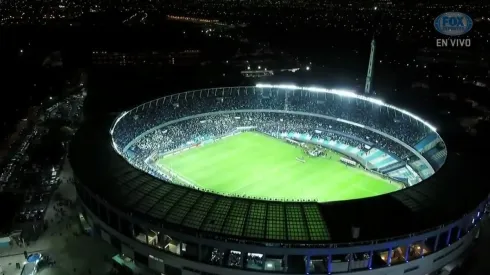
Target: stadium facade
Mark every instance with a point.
(178, 228)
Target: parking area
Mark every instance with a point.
(30, 219)
(62, 240)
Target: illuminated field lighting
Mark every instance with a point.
(339, 92)
(347, 93)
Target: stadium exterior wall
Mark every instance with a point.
(424, 265)
(449, 236)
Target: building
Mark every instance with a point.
(152, 58)
(174, 229)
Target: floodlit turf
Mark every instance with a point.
(256, 165)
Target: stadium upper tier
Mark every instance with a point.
(335, 104)
(381, 137)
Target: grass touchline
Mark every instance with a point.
(254, 165)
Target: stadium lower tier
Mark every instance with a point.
(162, 251)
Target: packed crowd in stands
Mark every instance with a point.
(190, 119)
(168, 109)
(195, 130)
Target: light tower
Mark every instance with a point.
(370, 72)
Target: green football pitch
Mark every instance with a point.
(255, 165)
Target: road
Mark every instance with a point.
(74, 252)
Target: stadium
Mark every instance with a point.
(279, 179)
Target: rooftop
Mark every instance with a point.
(443, 198)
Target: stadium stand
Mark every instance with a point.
(229, 99)
(173, 229)
(171, 126)
(372, 150)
